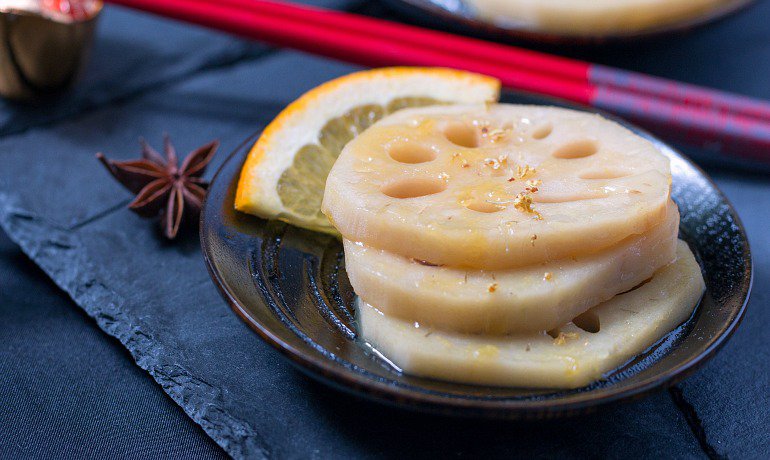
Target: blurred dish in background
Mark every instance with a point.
(574, 21)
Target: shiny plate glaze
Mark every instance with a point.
(290, 286)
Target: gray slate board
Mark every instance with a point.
(157, 299)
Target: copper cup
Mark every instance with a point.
(42, 51)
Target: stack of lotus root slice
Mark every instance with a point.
(510, 245)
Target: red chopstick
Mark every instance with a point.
(572, 69)
(700, 116)
(352, 47)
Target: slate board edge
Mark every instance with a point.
(47, 246)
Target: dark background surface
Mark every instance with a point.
(69, 389)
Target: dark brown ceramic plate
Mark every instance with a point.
(457, 14)
(290, 286)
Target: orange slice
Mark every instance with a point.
(285, 173)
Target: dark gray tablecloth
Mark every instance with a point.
(67, 389)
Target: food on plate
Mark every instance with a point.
(533, 298)
(471, 186)
(576, 354)
(495, 228)
(487, 243)
(594, 17)
(285, 172)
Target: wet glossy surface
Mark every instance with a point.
(290, 286)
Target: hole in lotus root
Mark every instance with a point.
(484, 206)
(411, 153)
(462, 134)
(413, 187)
(554, 333)
(577, 149)
(542, 131)
(588, 321)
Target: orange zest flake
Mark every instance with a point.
(463, 161)
(492, 287)
(493, 134)
(547, 276)
(483, 125)
(562, 338)
(532, 185)
(496, 163)
(523, 202)
(525, 171)
(497, 134)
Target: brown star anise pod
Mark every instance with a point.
(161, 186)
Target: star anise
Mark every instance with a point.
(162, 187)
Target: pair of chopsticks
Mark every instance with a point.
(681, 112)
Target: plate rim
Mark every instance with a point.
(321, 368)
